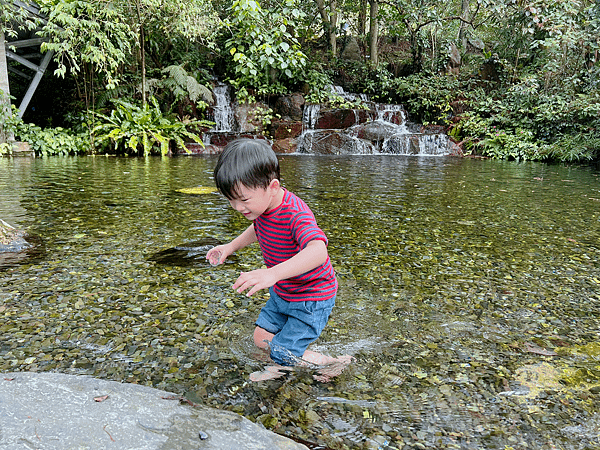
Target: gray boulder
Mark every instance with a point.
(59, 411)
(11, 239)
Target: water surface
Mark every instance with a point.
(469, 295)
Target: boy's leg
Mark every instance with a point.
(304, 322)
(262, 338)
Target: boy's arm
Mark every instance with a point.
(243, 240)
(311, 256)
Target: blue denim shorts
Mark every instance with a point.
(295, 325)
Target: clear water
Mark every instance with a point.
(469, 295)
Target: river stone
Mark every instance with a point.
(11, 239)
(290, 107)
(59, 411)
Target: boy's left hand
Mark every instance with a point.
(255, 280)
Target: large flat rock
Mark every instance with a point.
(57, 411)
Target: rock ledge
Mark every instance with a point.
(59, 411)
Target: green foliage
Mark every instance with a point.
(318, 83)
(428, 97)
(146, 130)
(44, 142)
(9, 119)
(264, 50)
(265, 115)
(576, 148)
(14, 17)
(359, 76)
(180, 89)
(52, 141)
(88, 32)
(184, 86)
(515, 144)
(526, 124)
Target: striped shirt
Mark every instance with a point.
(282, 233)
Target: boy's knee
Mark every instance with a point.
(262, 338)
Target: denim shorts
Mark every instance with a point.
(295, 325)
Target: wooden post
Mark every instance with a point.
(4, 89)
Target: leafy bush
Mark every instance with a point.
(428, 98)
(488, 140)
(133, 129)
(44, 142)
(181, 89)
(53, 141)
(579, 147)
(525, 122)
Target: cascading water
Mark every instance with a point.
(380, 129)
(310, 116)
(222, 111)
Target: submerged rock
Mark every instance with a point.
(17, 246)
(187, 254)
(12, 239)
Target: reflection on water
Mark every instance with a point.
(469, 295)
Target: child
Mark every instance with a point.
(299, 275)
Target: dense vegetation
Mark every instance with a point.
(514, 79)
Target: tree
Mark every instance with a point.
(374, 32)
(101, 36)
(329, 16)
(264, 47)
(89, 38)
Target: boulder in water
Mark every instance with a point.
(11, 239)
(16, 245)
(188, 254)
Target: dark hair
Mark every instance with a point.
(248, 162)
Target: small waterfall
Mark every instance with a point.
(380, 129)
(417, 144)
(393, 114)
(223, 112)
(435, 144)
(310, 116)
(348, 95)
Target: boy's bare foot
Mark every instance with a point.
(270, 373)
(333, 368)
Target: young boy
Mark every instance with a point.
(299, 275)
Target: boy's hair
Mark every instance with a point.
(248, 162)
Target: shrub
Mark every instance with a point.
(146, 130)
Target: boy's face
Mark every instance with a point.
(253, 202)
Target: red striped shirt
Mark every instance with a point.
(282, 233)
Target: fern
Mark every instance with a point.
(185, 85)
(108, 95)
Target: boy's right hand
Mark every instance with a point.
(217, 255)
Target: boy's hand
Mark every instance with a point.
(255, 280)
(217, 255)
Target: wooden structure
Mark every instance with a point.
(25, 50)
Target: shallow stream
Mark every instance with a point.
(469, 295)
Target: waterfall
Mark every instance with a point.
(310, 115)
(223, 112)
(348, 95)
(383, 128)
(393, 114)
